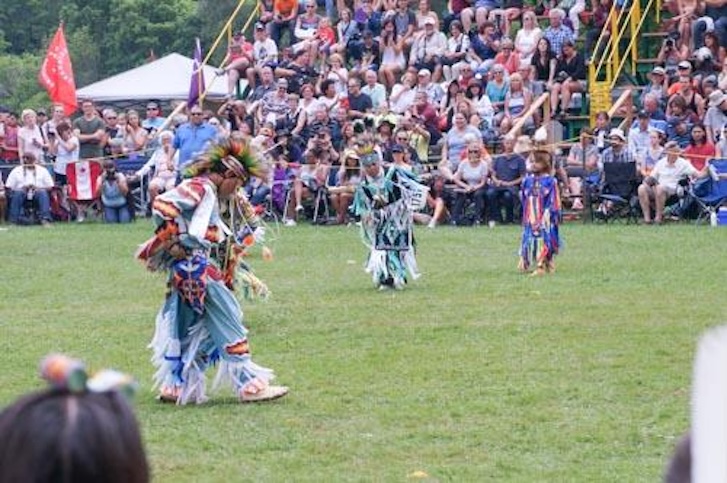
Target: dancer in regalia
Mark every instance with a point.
(386, 200)
(200, 322)
(541, 215)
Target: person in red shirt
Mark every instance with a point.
(700, 149)
(9, 155)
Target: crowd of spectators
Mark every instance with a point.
(446, 94)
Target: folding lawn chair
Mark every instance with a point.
(711, 193)
(618, 193)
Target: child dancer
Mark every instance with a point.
(541, 216)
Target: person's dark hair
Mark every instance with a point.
(62, 127)
(697, 125)
(395, 35)
(325, 84)
(543, 59)
(57, 435)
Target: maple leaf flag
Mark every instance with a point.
(56, 74)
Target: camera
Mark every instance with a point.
(669, 43)
(30, 194)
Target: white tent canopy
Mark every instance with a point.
(167, 78)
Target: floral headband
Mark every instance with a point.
(63, 372)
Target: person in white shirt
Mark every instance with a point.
(29, 182)
(264, 53)
(663, 182)
(65, 146)
(30, 139)
(376, 91)
(427, 50)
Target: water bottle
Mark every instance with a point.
(713, 218)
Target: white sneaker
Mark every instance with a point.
(289, 222)
(81, 217)
(431, 224)
(298, 208)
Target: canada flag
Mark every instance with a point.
(56, 74)
(83, 179)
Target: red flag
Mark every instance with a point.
(56, 74)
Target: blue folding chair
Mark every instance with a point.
(711, 193)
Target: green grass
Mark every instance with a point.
(474, 373)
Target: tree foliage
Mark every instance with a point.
(105, 38)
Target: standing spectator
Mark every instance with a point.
(90, 131)
(111, 130)
(284, 13)
(164, 163)
(29, 182)
(65, 147)
(112, 189)
(193, 137)
(557, 33)
(152, 123)
(9, 155)
(135, 136)
(427, 50)
(30, 139)
(508, 171)
(49, 127)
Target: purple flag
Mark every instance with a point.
(196, 84)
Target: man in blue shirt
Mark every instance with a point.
(193, 137)
(508, 171)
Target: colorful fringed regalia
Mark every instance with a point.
(541, 215)
(200, 322)
(386, 200)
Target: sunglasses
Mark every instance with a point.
(195, 113)
(152, 108)
(474, 152)
(111, 118)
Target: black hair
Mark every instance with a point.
(325, 84)
(59, 436)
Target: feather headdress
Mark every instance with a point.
(227, 155)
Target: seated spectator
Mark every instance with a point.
(264, 54)
(517, 104)
(338, 73)
(453, 58)
(582, 167)
(503, 17)
(423, 112)
(647, 159)
(274, 106)
(406, 23)
(699, 149)
(617, 152)
(306, 28)
(311, 177)
(434, 91)
(365, 54)
(672, 53)
(657, 86)
(716, 116)
(694, 102)
(164, 163)
(284, 14)
(455, 143)
(599, 19)
(348, 177)
(428, 49)
(30, 183)
(470, 179)
(239, 59)
(663, 182)
(721, 146)
(376, 91)
(557, 32)
(347, 31)
(508, 171)
(112, 189)
(425, 12)
(507, 57)
(298, 71)
(403, 94)
(544, 64)
(393, 61)
(483, 48)
(359, 104)
(496, 91)
(481, 103)
(77, 430)
(527, 38)
(570, 78)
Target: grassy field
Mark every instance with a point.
(474, 373)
